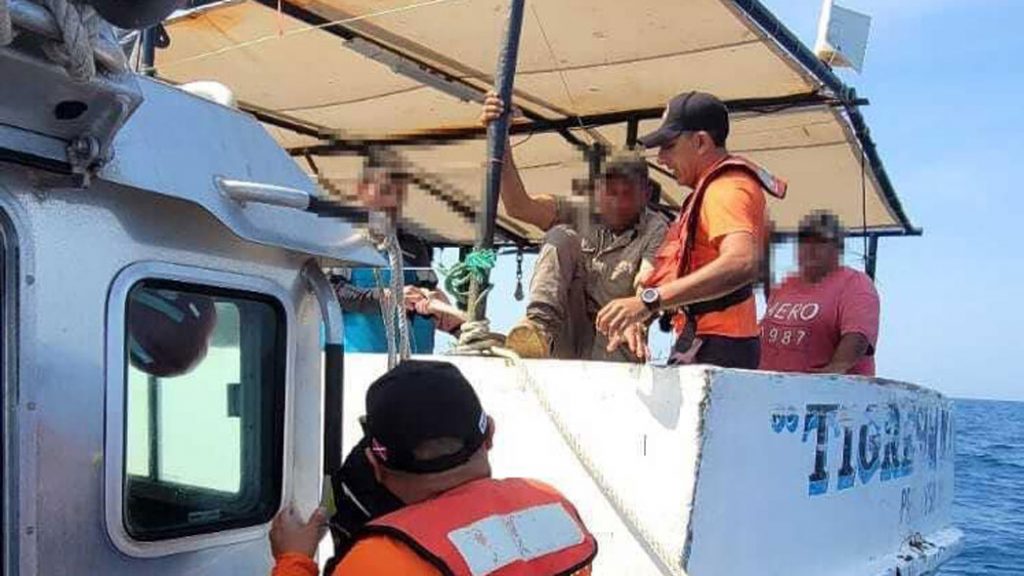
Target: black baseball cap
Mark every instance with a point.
(418, 401)
(822, 225)
(690, 112)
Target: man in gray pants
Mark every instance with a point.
(587, 260)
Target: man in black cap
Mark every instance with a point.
(711, 256)
(427, 439)
(590, 256)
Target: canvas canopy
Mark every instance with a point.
(334, 79)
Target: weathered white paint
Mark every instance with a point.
(754, 511)
(635, 447)
(637, 426)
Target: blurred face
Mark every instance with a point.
(687, 156)
(817, 258)
(380, 190)
(620, 201)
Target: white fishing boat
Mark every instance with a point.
(117, 187)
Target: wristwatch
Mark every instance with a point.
(651, 299)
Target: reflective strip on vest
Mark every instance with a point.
(496, 541)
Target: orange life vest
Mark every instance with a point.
(511, 527)
(672, 260)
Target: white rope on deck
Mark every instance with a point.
(476, 339)
(663, 559)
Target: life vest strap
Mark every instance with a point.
(731, 299)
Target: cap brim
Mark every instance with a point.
(659, 137)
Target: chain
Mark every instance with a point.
(519, 275)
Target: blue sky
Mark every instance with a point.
(944, 78)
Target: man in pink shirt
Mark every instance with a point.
(825, 318)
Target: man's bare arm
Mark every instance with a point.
(540, 210)
(852, 347)
(737, 264)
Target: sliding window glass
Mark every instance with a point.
(204, 411)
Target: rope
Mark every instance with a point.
(662, 558)
(392, 299)
(458, 278)
(6, 33)
(864, 203)
(278, 35)
(79, 27)
(476, 339)
(387, 316)
(561, 75)
(475, 336)
(394, 250)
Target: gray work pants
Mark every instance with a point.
(559, 300)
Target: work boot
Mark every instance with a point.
(528, 339)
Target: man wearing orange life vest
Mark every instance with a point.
(711, 255)
(428, 440)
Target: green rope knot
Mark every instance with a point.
(458, 278)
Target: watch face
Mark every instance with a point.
(649, 296)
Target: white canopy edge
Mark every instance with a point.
(579, 85)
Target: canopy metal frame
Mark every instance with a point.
(833, 93)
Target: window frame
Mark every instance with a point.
(9, 280)
(116, 408)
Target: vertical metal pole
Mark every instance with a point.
(497, 133)
(767, 259)
(872, 256)
(595, 156)
(464, 252)
(149, 51)
(632, 127)
(153, 406)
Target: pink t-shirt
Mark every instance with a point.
(804, 322)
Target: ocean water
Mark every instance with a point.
(989, 498)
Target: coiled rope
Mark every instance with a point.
(80, 28)
(459, 277)
(475, 336)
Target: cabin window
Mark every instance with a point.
(205, 371)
